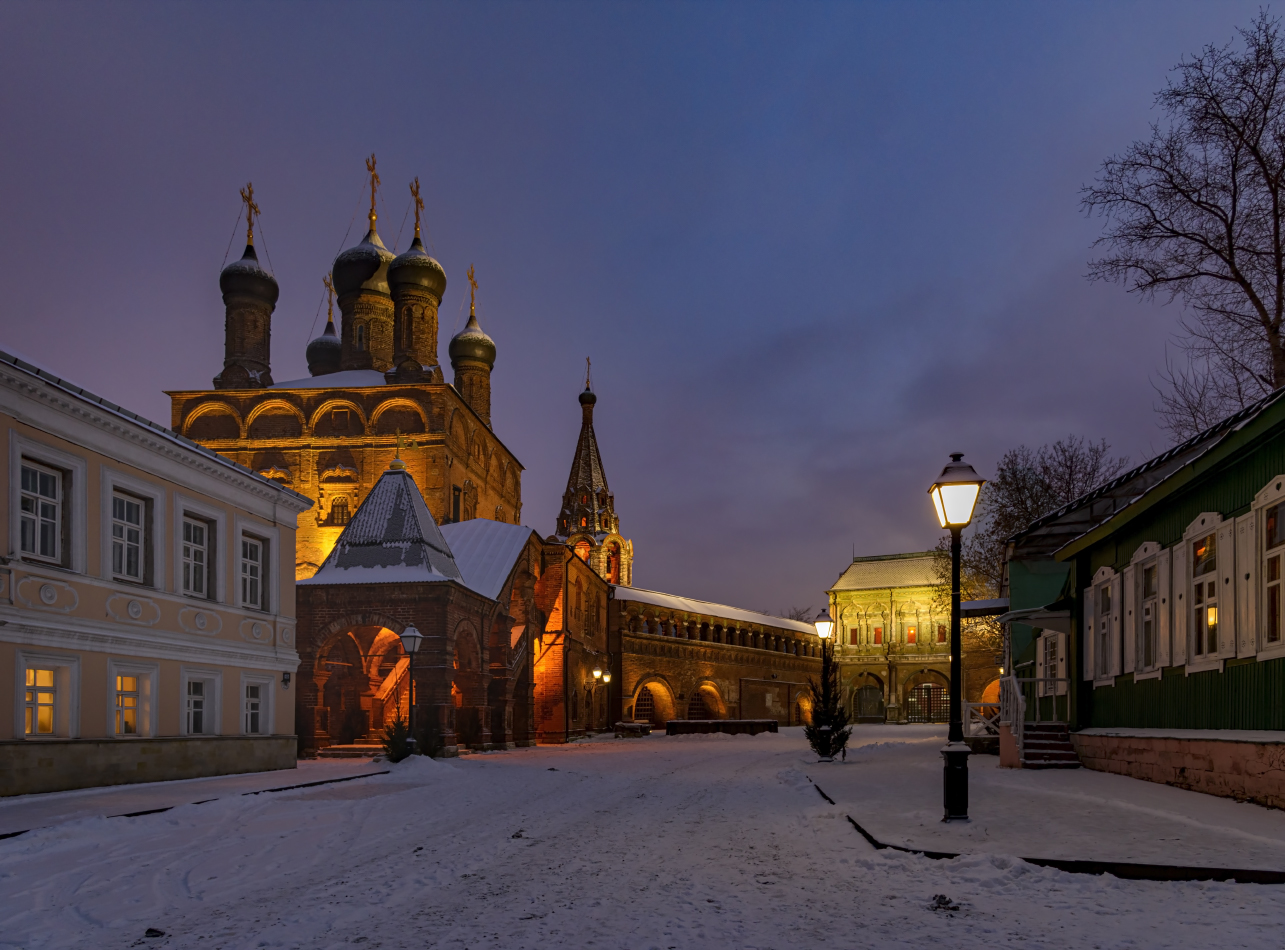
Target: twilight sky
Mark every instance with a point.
(811, 248)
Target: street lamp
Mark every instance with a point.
(411, 639)
(824, 625)
(954, 495)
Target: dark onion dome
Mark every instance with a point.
(472, 344)
(587, 398)
(324, 352)
(416, 268)
(364, 267)
(246, 278)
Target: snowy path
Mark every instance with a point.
(663, 842)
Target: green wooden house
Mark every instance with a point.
(1149, 616)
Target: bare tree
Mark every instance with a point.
(798, 613)
(1197, 212)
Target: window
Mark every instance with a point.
(1104, 630)
(360, 335)
(878, 635)
(196, 558)
(455, 502)
(339, 419)
(253, 573)
(912, 632)
(339, 514)
(1274, 537)
(1149, 617)
(41, 512)
(41, 702)
(127, 705)
(195, 707)
(127, 537)
(941, 633)
(1204, 596)
(254, 713)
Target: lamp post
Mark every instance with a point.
(825, 743)
(411, 639)
(954, 496)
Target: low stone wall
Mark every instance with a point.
(1240, 769)
(29, 766)
(732, 727)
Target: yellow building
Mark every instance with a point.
(146, 600)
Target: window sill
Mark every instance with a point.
(1147, 675)
(1103, 681)
(1202, 666)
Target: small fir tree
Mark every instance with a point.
(396, 733)
(828, 734)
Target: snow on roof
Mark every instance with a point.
(54, 379)
(392, 539)
(889, 570)
(486, 552)
(345, 379)
(691, 605)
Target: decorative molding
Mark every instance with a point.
(256, 631)
(285, 636)
(6, 586)
(44, 594)
(131, 608)
(204, 622)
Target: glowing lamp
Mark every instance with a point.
(954, 494)
(597, 673)
(606, 677)
(411, 639)
(824, 625)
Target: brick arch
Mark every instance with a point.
(331, 404)
(275, 407)
(203, 418)
(663, 697)
(709, 692)
(456, 431)
(337, 628)
(401, 407)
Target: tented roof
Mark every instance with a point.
(889, 570)
(691, 605)
(486, 552)
(392, 539)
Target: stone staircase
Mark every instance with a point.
(354, 750)
(1047, 745)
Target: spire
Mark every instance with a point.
(374, 184)
(587, 505)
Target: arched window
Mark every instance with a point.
(613, 563)
(575, 704)
(360, 336)
(339, 511)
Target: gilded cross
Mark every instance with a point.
(587, 367)
(472, 294)
(374, 183)
(330, 298)
(251, 209)
(419, 203)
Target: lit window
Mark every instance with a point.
(912, 632)
(251, 573)
(127, 537)
(195, 707)
(941, 633)
(253, 709)
(196, 558)
(339, 511)
(1204, 561)
(878, 635)
(41, 693)
(41, 512)
(126, 705)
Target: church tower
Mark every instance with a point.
(588, 522)
(417, 283)
(473, 357)
(365, 299)
(249, 297)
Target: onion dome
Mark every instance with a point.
(245, 278)
(587, 398)
(472, 344)
(416, 269)
(324, 352)
(364, 267)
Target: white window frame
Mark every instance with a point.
(1051, 640)
(1106, 662)
(267, 703)
(213, 700)
(1146, 557)
(37, 514)
(1206, 523)
(73, 553)
(269, 582)
(123, 539)
(1273, 493)
(216, 521)
(66, 685)
(153, 496)
(148, 682)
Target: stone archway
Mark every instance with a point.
(469, 689)
(927, 697)
(653, 702)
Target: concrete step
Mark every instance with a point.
(356, 750)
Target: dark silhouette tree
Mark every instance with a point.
(828, 732)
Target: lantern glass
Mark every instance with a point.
(606, 677)
(955, 492)
(824, 625)
(597, 673)
(411, 639)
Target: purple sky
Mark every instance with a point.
(811, 249)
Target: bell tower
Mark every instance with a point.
(416, 283)
(249, 297)
(365, 299)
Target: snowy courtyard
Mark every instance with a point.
(683, 842)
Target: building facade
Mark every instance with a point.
(1151, 614)
(147, 626)
(373, 385)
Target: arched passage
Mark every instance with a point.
(927, 698)
(653, 702)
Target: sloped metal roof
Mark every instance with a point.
(486, 552)
(392, 538)
(889, 570)
(694, 606)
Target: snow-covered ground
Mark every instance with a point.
(683, 842)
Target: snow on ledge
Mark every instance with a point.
(1205, 735)
(640, 595)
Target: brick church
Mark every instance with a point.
(417, 521)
